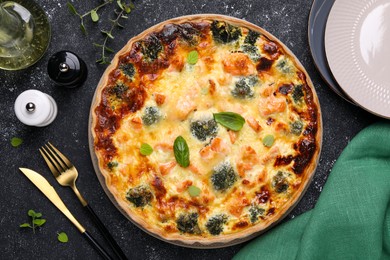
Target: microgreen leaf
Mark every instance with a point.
(38, 215)
(31, 213)
(39, 222)
(15, 141)
(71, 8)
(192, 57)
(25, 225)
(127, 9)
(108, 49)
(230, 120)
(119, 2)
(131, 5)
(62, 237)
(82, 27)
(107, 34)
(94, 16)
(181, 151)
(194, 191)
(146, 149)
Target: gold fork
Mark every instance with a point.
(66, 174)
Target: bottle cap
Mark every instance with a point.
(35, 108)
(66, 69)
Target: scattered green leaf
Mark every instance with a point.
(15, 141)
(192, 57)
(194, 191)
(268, 140)
(146, 149)
(181, 151)
(62, 237)
(230, 120)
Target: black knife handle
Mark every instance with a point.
(106, 234)
(96, 245)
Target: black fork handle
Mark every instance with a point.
(97, 246)
(106, 234)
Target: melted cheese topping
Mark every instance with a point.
(184, 93)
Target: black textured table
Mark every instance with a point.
(287, 20)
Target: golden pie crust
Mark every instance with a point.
(106, 141)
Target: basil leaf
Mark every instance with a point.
(146, 149)
(62, 237)
(192, 57)
(181, 151)
(230, 120)
(94, 16)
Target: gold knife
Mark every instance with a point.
(44, 186)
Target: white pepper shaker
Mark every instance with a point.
(35, 108)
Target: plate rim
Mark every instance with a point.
(335, 71)
(330, 81)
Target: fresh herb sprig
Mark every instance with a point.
(93, 13)
(36, 220)
(124, 7)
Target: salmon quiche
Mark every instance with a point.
(206, 129)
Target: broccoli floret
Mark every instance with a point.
(204, 129)
(118, 90)
(128, 69)
(223, 177)
(151, 47)
(189, 33)
(244, 87)
(285, 66)
(251, 51)
(111, 165)
(298, 94)
(140, 196)
(151, 115)
(251, 37)
(224, 32)
(296, 127)
(279, 182)
(215, 224)
(255, 212)
(188, 223)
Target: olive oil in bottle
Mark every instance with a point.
(24, 34)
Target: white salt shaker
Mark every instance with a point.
(35, 108)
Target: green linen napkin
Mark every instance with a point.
(351, 219)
